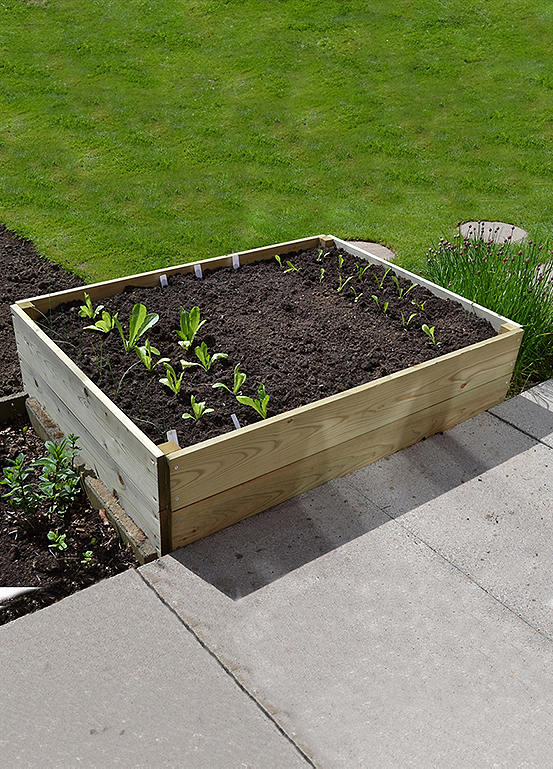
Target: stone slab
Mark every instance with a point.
(498, 231)
(377, 652)
(110, 677)
(531, 412)
(377, 249)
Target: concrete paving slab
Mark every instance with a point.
(110, 677)
(378, 653)
(481, 496)
(532, 412)
(498, 231)
(377, 249)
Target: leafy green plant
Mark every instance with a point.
(171, 380)
(198, 409)
(57, 540)
(380, 282)
(357, 294)
(146, 354)
(87, 558)
(512, 279)
(190, 324)
(239, 379)
(105, 324)
(206, 360)
(289, 266)
(361, 270)
(86, 310)
(401, 291)
(321, 255)
(340, 261)
(259, 404)
(343, 283)
(420, 305)
(321, 274)
(140, 321)
(405, 323)
(21, 494)
(430, 333)
(383, 307)
(59, 482)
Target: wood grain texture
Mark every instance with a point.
(228, 460)
(216, 512)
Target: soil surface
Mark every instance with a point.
(26, 560)
(298, 335)
(24, 274)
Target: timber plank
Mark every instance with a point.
(228, 460)
(241, 501)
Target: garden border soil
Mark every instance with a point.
(178, 495)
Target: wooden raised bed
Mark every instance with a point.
(179, 495)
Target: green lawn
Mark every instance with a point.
(135, 134)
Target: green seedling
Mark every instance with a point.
(239, 379)
(357, 295)
(59, 483)
(20, 494)
(146, 355)
(190, 324)
(321, 255)
(383, 307)
(140, 321)
(405, 323)
(340, 261)
(380, 282)
(57, 540)
(429, 331)
(206, 360)
(259, 404)
(321, 274)
(105, 324)
(86, 310)
(171, 380)
(420, 305)
(289, 266)
(361, 270)
(401, 292)
(343, 283)
(87, 558)
(198, 409)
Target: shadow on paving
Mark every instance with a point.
(253, 553)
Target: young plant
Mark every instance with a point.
(383, 306)
(20, 494)
(57, 540)
(206, 360)
(190, 324)
(86, 310)
(340, 261)
(198, 409)
(239, 379)
(321, 255)
(87, 558)
(171, 380)
(105, 324)
(405, 323)
(401, 292)
(259, 404)
(59, 482)
(429, 331)
(357, 295)
(146, 355)
(361, 270)
(420, 305)
(321, 274)
(380, 282)
(343, 283)
(289, 266)
(140, 321)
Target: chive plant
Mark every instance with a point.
(512, 279)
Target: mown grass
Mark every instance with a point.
(140, 133)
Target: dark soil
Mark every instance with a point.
(24, 274)
(25, 559)
(302, 338)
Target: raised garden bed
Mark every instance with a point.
(177, 495)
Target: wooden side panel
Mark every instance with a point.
(221, 463)
(111, 287)
(122, 459)
(209, 515)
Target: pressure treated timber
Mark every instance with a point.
(178, 495)
(216, 512)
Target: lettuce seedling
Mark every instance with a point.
(106, 324)
(198, 409)
(57, 540)
(206, 360)
(171, 380)
(258, 404)
(380, 283)
(343, 283)
(86, 310)
(405, 323)
(361, 270)
(420, 305)
(289, 266)
(321, 255)
(429, 331)
(190, 324)
(402, 291)
(239, 379)
(321, 274)
(146, 354)
(357, 295)
(140, 321)
(383, 307)
(340, 261)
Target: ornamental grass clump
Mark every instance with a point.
(512, 279)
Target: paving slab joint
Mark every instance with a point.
(97, 492)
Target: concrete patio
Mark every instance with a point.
(401, 616)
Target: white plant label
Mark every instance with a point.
(163, 281)
(198, 271)
(235, 261)
(235, 421)
(172, 436)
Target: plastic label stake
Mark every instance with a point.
(163, 281)
(172, 436)
(235, 261)
(198, 271)
(235, 421)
